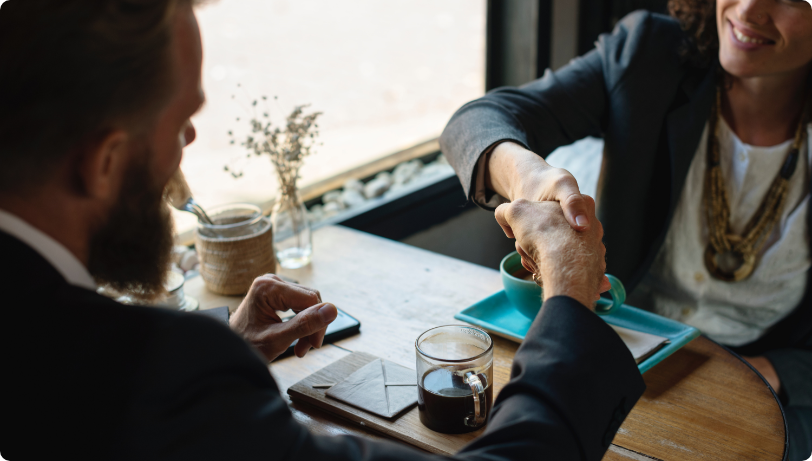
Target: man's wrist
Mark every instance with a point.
(566, 281)
(579, 294)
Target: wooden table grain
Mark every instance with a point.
(701, 403)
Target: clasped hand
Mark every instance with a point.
(259, 323)
(569, 262)
(554, 225)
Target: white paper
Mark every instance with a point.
(640, 344)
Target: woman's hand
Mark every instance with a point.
(258, 322)
(570, 263)
(767, 370)
(517, 173)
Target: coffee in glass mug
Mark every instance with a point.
(454, 378)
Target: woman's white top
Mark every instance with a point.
(678, 282)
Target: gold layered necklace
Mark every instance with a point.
(728, 256)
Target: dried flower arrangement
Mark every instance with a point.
(287, 147)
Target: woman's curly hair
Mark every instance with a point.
(698, 20)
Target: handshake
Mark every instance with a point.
(568, 262)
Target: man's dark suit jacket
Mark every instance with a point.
(87, 378)
(650, 107)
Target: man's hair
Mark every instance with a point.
(698, 20)
(73, 70)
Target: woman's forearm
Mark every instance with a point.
(511, 171)
(517, 173)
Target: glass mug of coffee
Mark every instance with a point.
(454, 378)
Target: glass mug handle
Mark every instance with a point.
(478, 383)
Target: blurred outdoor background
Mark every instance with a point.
(387, 75)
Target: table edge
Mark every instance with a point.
(766, 383)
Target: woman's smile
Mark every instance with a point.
(764, 38)
(746, 38)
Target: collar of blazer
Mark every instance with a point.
(685, 124)
(31, 274)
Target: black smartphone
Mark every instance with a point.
(343, 326)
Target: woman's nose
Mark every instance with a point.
(754, 11)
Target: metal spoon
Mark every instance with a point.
(179, 196)
(193, 207)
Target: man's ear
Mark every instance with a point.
(100, 166)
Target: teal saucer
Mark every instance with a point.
(496, 315)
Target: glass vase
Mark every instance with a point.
(291, 231)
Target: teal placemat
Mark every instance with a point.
(496, 315)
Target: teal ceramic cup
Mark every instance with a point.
(526, 297)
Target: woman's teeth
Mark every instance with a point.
(747, 39)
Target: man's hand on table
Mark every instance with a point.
(570, 263)
(258, 322)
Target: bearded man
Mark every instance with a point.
(95, 104)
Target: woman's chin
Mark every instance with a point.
(741, 68)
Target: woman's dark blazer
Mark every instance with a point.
(650, 107)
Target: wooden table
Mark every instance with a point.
(701, 403)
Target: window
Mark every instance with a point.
(385, 74)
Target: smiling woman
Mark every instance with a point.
(704, 189)
(386, 75)
(759, 38)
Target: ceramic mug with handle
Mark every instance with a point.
(526, 296)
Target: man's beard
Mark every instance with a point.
(131, 251)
